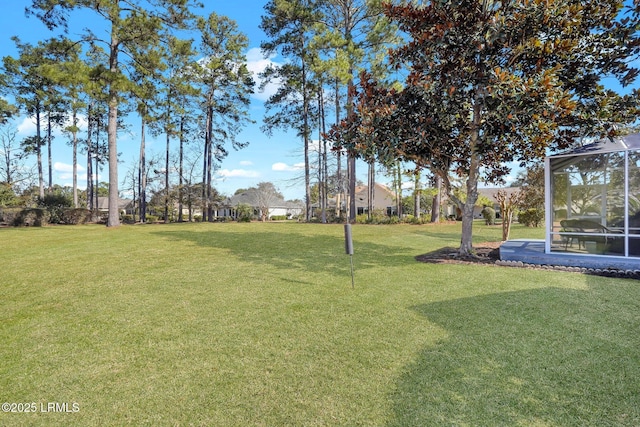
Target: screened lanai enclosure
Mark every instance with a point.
(593, 205)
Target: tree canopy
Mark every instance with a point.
(491, 83)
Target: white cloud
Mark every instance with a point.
(257, 63)
(237, 173)
(27, 127)
(283, 167)
(65, 171)
(246, 163)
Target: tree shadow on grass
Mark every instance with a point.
(539, 357)
(291, 250)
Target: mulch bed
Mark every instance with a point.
(486, 253)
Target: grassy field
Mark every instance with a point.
(257, 325)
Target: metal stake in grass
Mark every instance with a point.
(348, 247)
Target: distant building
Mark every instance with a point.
(125, 205)
(383, 199)
(277, 207)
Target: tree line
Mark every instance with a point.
(459, 89)
(184, 75)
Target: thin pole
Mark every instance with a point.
(353, 284)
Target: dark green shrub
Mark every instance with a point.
(531, 217)
(8, 215)
(278, 218)
(489, 215)
(55, 204)
(73, 216)
(245, 212)
(35, 217)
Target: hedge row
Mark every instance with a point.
(21, 217)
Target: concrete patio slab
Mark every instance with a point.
(532, 252)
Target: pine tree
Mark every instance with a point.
(134, 29)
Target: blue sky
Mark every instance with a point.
(277, 159)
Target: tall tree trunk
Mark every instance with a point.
(351, 170)
(180, 169)
(113, 220)
(351, 160)
(96, 185)
(437, 199)
(75, 161)
(49, 154)
(166, 180)
(209, 162)
(307, 131)
(371, 189)
(39, 154)
(142, 175)
(340, 189)
(417, 194)
(466, 241)
(322, 147)
(399, 191)
(90, 205)
(205, 158)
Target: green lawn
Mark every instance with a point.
(257, 324)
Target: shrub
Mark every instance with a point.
(245, 212)
(55, 204)
(531, 217)
(74, 216)
(36, 217)
(489, 215)
(8, 215)
(278, 218)
(362, 219)
(151, 218)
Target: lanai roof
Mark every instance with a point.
(624, 143)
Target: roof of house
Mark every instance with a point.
(490, 193)
(248, 199)
(103, 203)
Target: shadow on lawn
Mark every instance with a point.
(539, 357)
(287, 250)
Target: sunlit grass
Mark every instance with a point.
(257, 324)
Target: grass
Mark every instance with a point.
(257, 324)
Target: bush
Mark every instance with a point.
(8, 215)
(74, 216)
(278, 218)
(489, 215)
(55, 204)
(531, 217)
(36, 217)
(151, 218)
(245, 212)
(127, 219)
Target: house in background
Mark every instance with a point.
(383, 199)
(124, 205)
(490, 193)
(277, 207)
